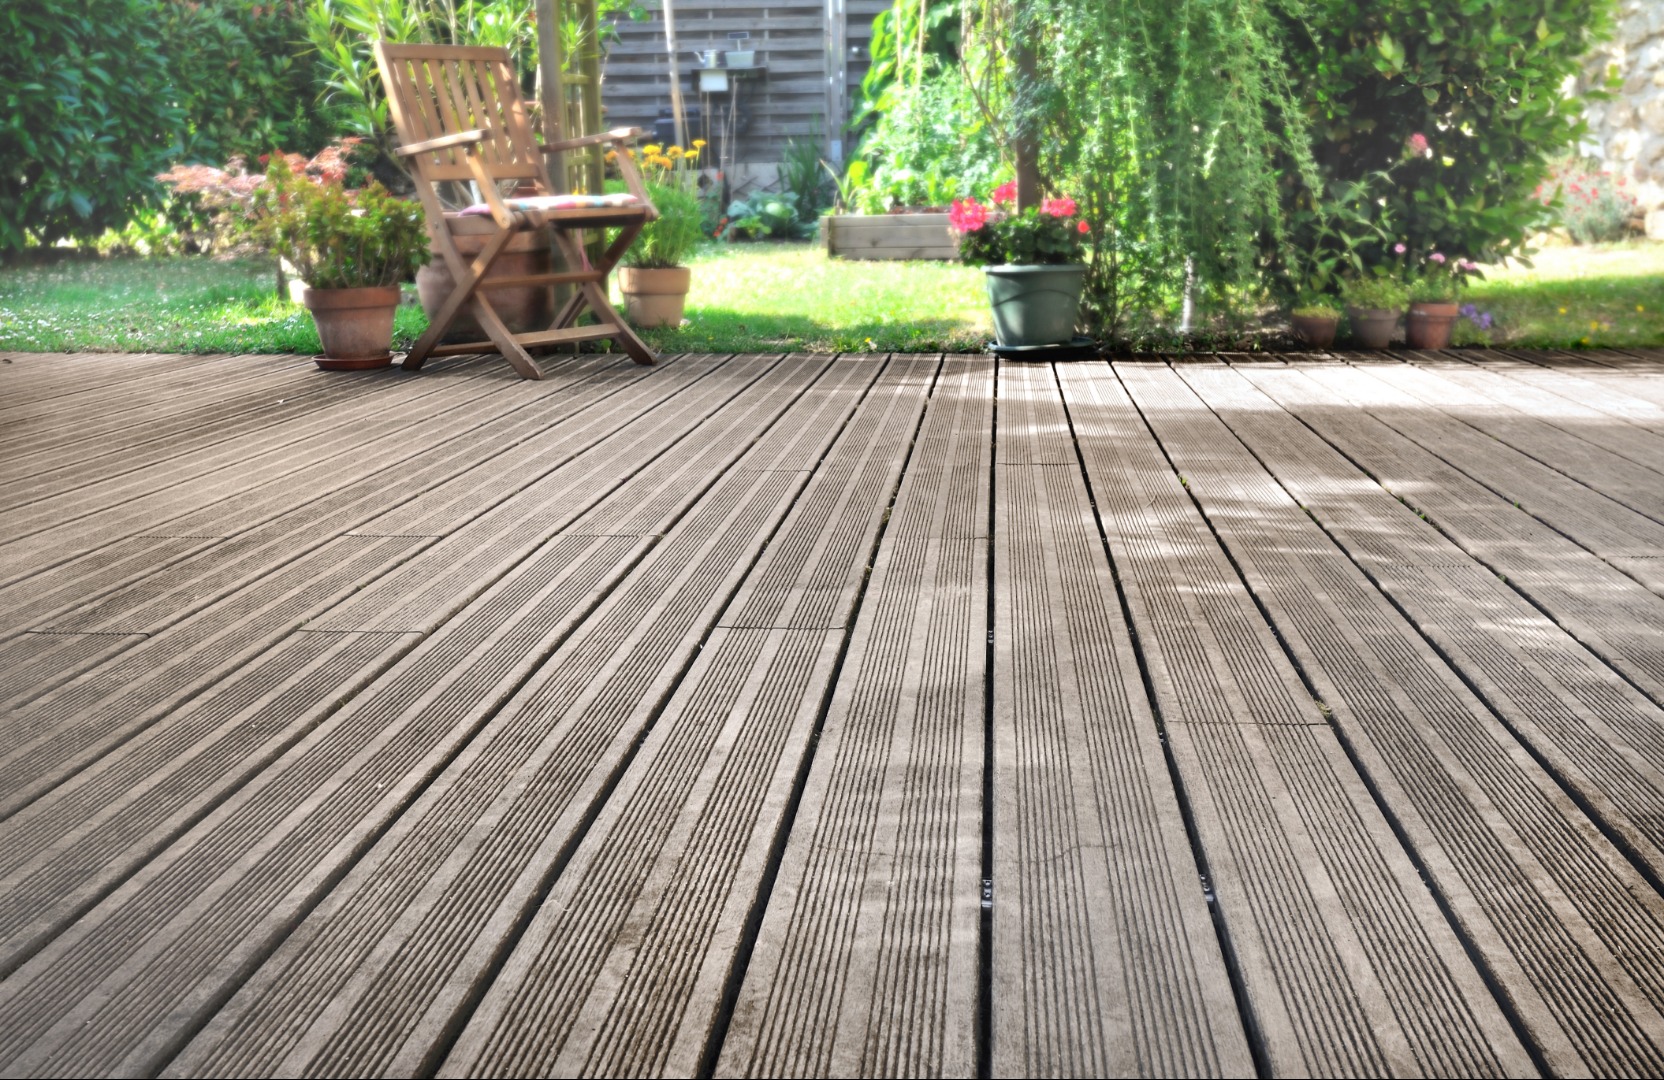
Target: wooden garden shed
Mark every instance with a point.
(808, 59)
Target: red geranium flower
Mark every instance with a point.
(1063, 207)
(1006, 192)
(967, 215)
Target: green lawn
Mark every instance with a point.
(748, 298)
(1599, 297)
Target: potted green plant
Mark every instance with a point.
(352, 248)
(1032, 262)
(1314, 323)
(1373, 305)
(653, 280)
(1433, 306)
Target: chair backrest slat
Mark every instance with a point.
(436, 90)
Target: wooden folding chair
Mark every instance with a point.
(460, 118)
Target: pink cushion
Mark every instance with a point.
(560, 202)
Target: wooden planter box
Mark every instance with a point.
(888, 236)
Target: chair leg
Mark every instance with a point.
(459, 298)
(503, 338)
(598, 302)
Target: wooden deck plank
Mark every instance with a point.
(1637, 379)
(154, 412)
(133, 581)
(431, 962)
(152, 437)
(1313, 889)
(181, 725)
(317, 823)
(1104, 960)
(1566, 926)
(866, 957)
(87, 383)
(1624, 538)
(682, 846)
(1494, 391)
(693, 752)
(1608, 612)
(1620, 478)
(118, 600)
(571, 724)
(238, 462)
(1567, 385)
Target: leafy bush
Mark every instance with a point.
(1594, 207)
(764, 216)
(929, 146)
(336, 238)
(245, 78)
(87, 117)
(1050, 234)
(671, 239)
(1444, 111)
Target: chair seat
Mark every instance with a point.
(560, 202)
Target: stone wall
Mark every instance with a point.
(1628, 131)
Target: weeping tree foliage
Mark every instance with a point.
(1171, 124)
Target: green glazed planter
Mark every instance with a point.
(1035, 305)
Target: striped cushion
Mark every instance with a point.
(560, 202)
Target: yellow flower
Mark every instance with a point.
(661, 161)
(692, 155)
(1638, 307)
(652, 148)
(674, 152)
(1593, 325)
(612, 156)
(699, 144)
(1562, 311)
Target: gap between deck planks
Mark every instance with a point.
(650, 730)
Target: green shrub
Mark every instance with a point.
(1444, 111)
(245, 77)
(335, 238)
(87, 119)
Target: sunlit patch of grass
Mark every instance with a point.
(1605, 296)
(770, 297)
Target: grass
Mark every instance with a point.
(748, 298)
(1604, 296)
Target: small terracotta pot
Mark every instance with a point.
(1315, 330)
(1429, 323)
(1372, 328)
(355, 325)
(654, 297)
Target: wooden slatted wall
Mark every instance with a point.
(791, 39)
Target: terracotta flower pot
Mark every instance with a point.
(355, 325)
(1429, 323)
(522, 309)
(1315, 330)
(654, 297)
(1372, 328)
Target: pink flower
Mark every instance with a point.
(1418, 143)
(1398, 249)
(1063, 207)
(1082, 226)
(1436, 257)
(1006, 192)
(967, 215)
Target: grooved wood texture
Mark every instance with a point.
(811, 715)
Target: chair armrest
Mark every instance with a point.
(617, 135)
(444, 142)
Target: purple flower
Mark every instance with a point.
(1436, 257)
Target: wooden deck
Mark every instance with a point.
(806, 716)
